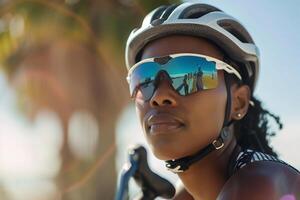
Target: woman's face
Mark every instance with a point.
(174, 125)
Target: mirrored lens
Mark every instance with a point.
(143, 74)
(188, 74)
(191, 74)
(145, 91)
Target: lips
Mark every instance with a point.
(163, 123)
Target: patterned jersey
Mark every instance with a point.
(248, 156)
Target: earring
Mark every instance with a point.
(239, 115)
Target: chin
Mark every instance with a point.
(167, 152)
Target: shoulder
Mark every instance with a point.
(262, 181)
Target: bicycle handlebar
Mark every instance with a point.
(152, 185)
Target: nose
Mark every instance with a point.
(164, 95)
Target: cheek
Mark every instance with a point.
(208, 113)
(141, 107)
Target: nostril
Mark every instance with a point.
(164, 102)
(167, 102)
(155, 103)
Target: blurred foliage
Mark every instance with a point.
(45, 36)
(96, 20)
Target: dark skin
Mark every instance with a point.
(186, 124)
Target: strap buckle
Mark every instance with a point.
(218, 144)
(177, 166)
(176, 169)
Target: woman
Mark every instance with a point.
(211, 132)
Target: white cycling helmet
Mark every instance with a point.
(203, 20)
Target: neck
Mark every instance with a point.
(205, 178)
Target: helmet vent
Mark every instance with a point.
(161, 14)
(236, 30)
(252, 74)
(158, 12)
(197, 10)
(168, 11)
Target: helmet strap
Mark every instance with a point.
(182, 164)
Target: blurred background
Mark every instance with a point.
(66, 119)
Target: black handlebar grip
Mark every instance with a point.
(151, 184)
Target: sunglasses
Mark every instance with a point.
(188, 73)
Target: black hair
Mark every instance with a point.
(253, 131)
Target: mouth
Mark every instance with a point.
(163, 123)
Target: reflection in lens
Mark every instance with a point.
(145, 91)
(179, 84)
(188, 74)
(143, 74)
(210, 80)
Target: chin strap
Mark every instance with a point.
(182, 164)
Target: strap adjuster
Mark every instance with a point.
(218, 144)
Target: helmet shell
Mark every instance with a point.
(199, 20)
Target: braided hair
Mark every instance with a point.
(253, 131)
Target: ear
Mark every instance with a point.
(240, 101)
